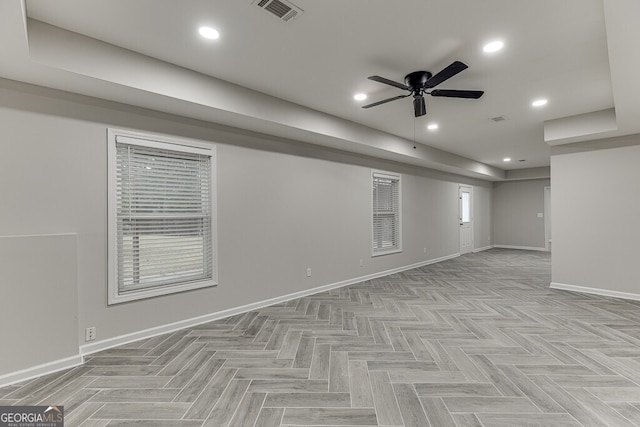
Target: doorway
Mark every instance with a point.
(465, 195)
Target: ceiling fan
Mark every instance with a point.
(419, 82)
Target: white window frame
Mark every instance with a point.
(386, 251)
(115, 296)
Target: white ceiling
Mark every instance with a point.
(578, 54)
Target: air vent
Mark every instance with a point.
(498, 118)
(282, 9)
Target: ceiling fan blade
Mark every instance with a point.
(471, 94)
(389, 82)
(384, 101)
(448, 72)
(419, 107)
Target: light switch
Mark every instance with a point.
(540, 215)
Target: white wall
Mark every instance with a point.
(594, 204)
(283, 206)
(516, 205)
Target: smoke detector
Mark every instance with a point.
(282, 9)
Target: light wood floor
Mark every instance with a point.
(479, 340)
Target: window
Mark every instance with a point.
(465, 207)
(386, 213)
(161, 216)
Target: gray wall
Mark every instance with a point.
(38, 306)
(516, 205)
(482, 217)
(283, 206)
(594, 204)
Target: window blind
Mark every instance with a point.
(163, 215)
(386, 212)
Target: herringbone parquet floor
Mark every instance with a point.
(479, 340)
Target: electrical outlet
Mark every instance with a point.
(425, 250)
(361, 263)
(90, 334)
(308, 272)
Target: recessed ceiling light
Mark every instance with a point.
(209, 33)
(539, 102)
(360, 96)
(506, 159)
(493, 46)
(432, 126)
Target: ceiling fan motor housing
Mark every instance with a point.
(417, 79)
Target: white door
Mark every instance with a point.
(466, 218)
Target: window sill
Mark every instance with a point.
(386, 252)
(117, 298)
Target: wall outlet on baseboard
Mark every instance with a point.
(308, 272)
(90, 334)
(425, 250)
(361, 263)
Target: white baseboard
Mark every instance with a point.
(39, 370)
(524, 248)
(595, 291)
(475, 251)
(187, 323)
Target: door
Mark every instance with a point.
(465, 216)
